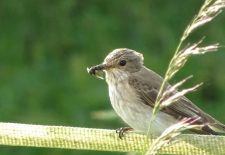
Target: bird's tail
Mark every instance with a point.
(216, 128)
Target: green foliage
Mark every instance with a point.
(46, 46)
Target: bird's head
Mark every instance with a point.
(119, 63)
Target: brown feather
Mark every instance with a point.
(147, 87)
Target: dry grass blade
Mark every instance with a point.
(207, 13)
(168, 136)
(178, 95)
(177, 62)
(175, 87)
(209, 10)
(181, 57)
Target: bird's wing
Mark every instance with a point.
(147, 90)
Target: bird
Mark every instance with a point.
(133, 89)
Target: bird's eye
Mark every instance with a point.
(122, 62)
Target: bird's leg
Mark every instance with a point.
(121, 131)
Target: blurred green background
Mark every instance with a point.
(46, 46)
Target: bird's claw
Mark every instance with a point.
(121, 131)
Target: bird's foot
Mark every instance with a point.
(122, 131)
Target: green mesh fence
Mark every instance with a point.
(103, 140)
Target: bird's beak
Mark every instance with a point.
(98, 70)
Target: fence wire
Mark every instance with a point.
(15, 134)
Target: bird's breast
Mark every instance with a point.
(128, 105)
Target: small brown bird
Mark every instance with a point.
(133, 89)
